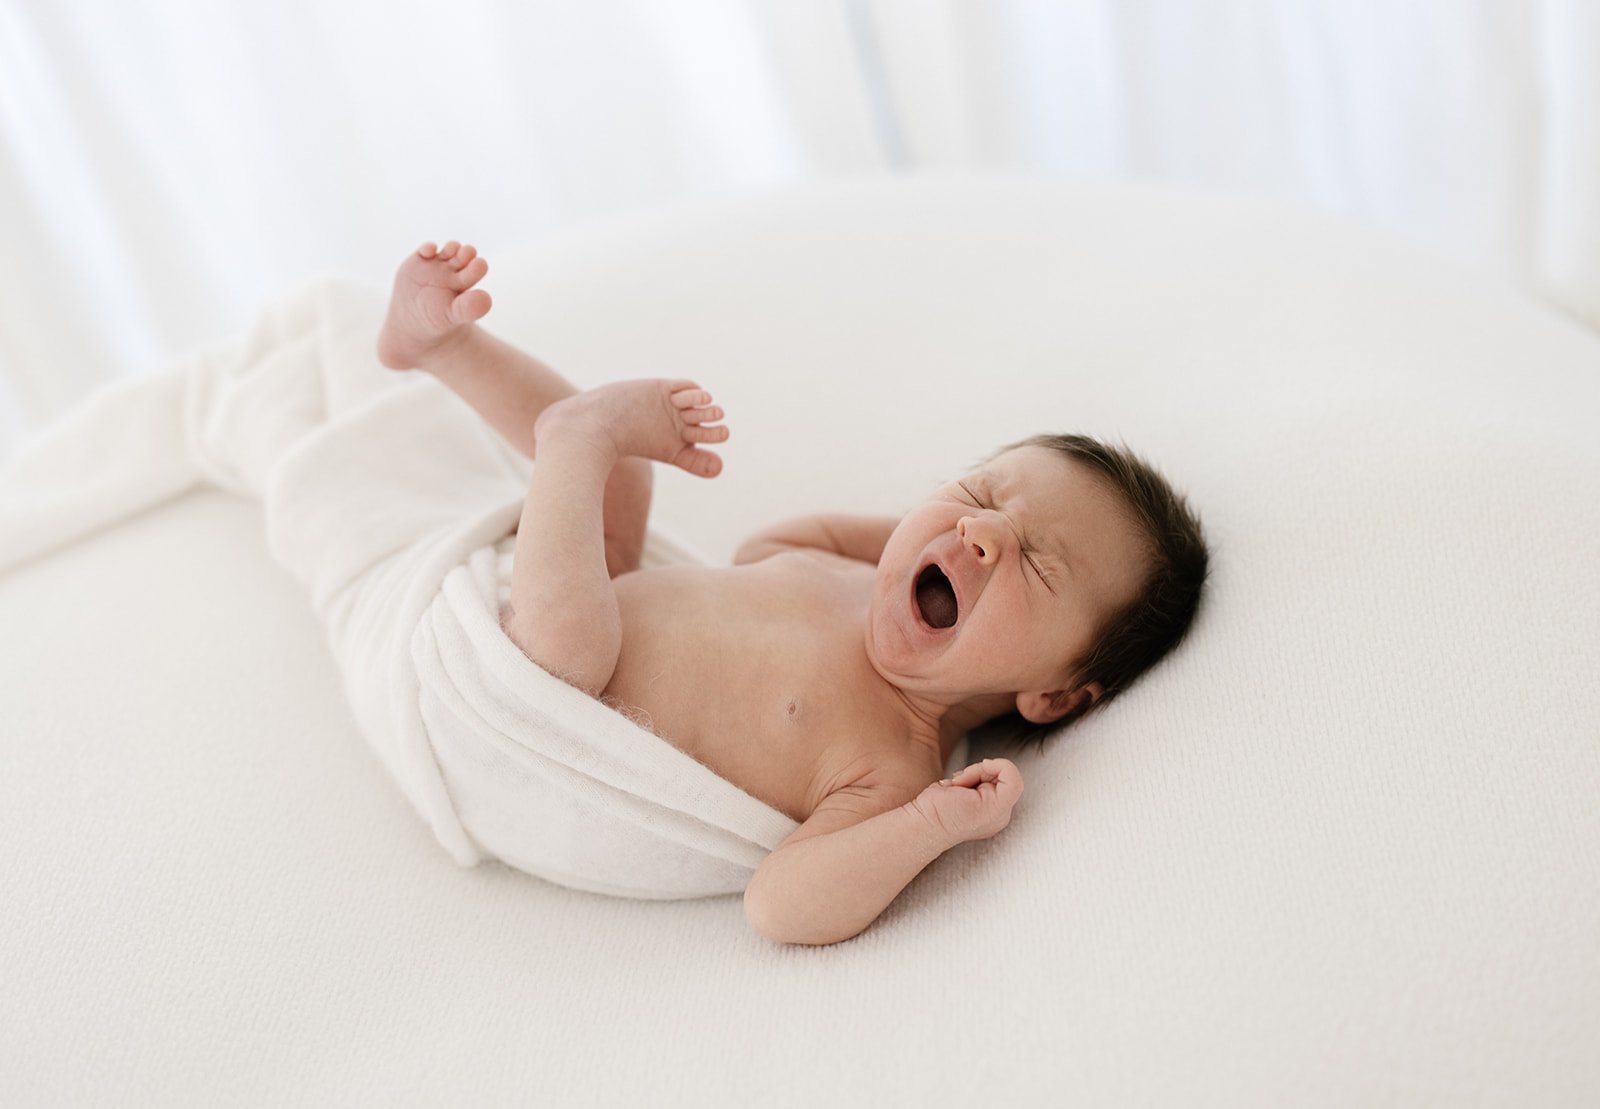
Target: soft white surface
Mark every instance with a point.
(1340, 849)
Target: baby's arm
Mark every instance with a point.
(839, 870)
(858, 537)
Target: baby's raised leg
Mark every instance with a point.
(564, 612)
(432, 326)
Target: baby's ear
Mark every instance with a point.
(1047, 708)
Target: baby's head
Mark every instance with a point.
(1039, 585)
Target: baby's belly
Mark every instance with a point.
(741, 678)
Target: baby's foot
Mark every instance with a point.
(653, 418)
(431, 305)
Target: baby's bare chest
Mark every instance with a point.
(760, 673)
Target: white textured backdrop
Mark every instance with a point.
(167, 166)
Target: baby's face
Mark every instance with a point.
(1000, 580)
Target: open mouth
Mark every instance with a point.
(936, 597)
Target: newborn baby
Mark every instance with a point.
(848, 655)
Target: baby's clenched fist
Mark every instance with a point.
(975, 804)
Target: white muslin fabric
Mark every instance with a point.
(393, 504)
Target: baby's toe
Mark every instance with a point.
(464, 256)
(470, 306)
(427, 250)
(701, 463)
(703, 415)
(693, 434)
(690, 397)
(448, 251)
(471, 274)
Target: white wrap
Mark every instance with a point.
(392, 502)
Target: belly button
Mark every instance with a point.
(791, 708)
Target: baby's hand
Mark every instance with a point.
(975, 804)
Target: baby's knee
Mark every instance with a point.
(582, 653)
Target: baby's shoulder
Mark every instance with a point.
(893, 770)
(810, 572)
(815, 560)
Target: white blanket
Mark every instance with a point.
(392, 502)
(1338, 850)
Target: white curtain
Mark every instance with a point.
(1471, 126)
(168, 165)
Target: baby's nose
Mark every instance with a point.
(982, 539)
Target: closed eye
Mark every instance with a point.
(1042, 575)
(1027, 555)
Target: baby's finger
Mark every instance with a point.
(971, 775)
(1008, 781)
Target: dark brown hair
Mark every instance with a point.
(1145, 630)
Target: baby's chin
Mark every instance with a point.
(899, 650)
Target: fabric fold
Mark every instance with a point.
(392, 503)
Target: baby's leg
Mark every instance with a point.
(432, 326)
(563, 607)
